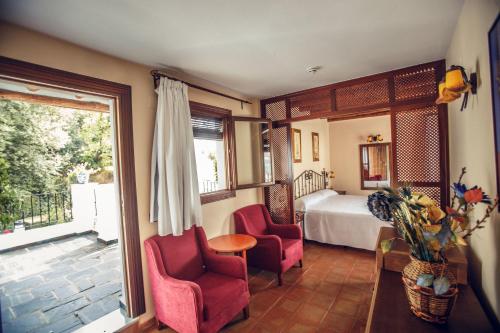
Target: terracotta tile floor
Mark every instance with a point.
(331, 293)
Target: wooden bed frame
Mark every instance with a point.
(309, 182)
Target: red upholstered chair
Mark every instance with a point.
(194, 289)
(279, 246)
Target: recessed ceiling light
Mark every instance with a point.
(313, 69)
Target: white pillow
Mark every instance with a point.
(326, 193)
(307, 201)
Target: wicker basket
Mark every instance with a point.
(423, 302)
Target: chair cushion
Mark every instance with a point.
(181, 255)
(290, 247)
(219, 292)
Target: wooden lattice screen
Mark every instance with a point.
(419, 127)
(279, 197)
(420, 134)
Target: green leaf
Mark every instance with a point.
(441, 285)
(386, 245)
(425, 280)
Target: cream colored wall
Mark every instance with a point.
(22, 44)
(472, 141)
(345, 138)
(306, 127)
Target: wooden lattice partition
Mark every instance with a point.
(419, 149)
(419, 127)
(279, 197)
(362, 96)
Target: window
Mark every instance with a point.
(214, 161)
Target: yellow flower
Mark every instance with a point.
(423, 199)
(432, 228)
(435, 214)
(459, 240)
(434, 244)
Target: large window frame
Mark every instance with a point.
(122, 95)
(200, 110)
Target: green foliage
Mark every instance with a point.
(89, 142)
(7, 197)
(212, 157)
(29, 144)
(41, 147)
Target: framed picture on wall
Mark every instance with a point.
(494, 43)
(315, 146)
(296, 145)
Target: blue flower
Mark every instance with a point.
(379, 205)
(459, 189)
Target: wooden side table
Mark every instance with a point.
(235, 243)
(341, 192)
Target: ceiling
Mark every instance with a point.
(259, 48)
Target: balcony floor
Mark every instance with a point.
(59, 286)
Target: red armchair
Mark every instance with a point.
(279, 246)
(195, 290)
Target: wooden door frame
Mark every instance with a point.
(131, 246)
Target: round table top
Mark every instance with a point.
(232, 243)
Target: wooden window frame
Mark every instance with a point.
(253, 185)
(200, 109)
(122, 95)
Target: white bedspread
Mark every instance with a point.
(343, 220)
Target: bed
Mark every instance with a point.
(335, 219)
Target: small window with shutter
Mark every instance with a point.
(211, 132)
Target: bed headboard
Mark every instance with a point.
(308, 182)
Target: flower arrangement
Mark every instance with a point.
(428, 230)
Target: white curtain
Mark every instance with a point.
(175, 197)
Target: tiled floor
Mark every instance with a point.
(331, 293)
(59, 286)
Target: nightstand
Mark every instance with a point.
(341, 192)
(299, 219)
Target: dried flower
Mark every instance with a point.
(475, 195)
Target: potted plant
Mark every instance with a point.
(429, 231)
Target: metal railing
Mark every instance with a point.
(208, 186)
(40, 210)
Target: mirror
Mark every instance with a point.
(375, 162)
(252, 138)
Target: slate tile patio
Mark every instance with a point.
(59, 286)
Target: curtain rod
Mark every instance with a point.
(157, 74)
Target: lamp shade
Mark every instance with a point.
(456, 79)
(446, 95)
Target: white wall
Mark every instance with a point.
(306, 127)
(345, 138)
(472, 141)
